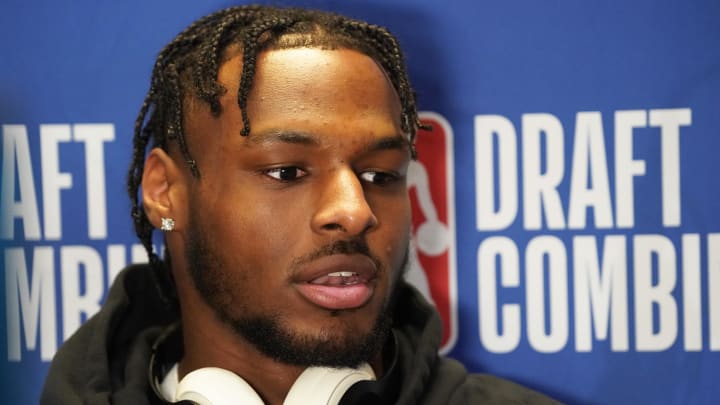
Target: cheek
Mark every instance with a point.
(250, 233)
(395, 231)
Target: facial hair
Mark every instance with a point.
(268, 331)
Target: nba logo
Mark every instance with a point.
(432, 255)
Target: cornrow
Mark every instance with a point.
(188, 67)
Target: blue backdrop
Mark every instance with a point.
(577, 198)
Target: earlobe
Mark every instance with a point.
(160, 182)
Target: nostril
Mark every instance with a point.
(334, 227)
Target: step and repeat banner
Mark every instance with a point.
(565, 202)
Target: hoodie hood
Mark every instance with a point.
(108, 359)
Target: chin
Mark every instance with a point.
(341, 339)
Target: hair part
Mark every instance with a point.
(188, 67)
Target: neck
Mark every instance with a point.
(168, 350)
(213, 344)
(210, 342)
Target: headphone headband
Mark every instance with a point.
(167, 350)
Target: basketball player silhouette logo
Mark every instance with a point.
(432, 252)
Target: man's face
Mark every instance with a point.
(298, 232)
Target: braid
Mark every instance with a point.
(392, 60)
(188, 67)
(251, 48)
(209, 90)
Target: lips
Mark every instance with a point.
(338, 281)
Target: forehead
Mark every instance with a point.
(313, 73)
(309, 90)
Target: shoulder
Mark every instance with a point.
(72, 366)
(460, 387)
(94, 360)
(490, 389)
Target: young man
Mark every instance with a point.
(279, 144)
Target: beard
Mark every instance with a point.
(268, 331)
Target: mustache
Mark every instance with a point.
(340, 247)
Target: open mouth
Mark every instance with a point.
(338, 281)
(338, 278)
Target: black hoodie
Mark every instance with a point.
(107, 361)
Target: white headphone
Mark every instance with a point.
(316, 385)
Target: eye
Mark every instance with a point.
(287, 173)
(379, 178)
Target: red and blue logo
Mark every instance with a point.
(431, 183)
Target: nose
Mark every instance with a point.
(342, 206)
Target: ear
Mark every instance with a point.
(163, 189)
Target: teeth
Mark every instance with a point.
(338, 278)
(342, 274)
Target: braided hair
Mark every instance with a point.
(188, 67)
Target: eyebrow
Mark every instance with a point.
(389, 143)
(303, 138)
(282, 136)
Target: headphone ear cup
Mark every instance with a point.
(325, 385)
(216, 386)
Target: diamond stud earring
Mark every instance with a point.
(167, 224)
